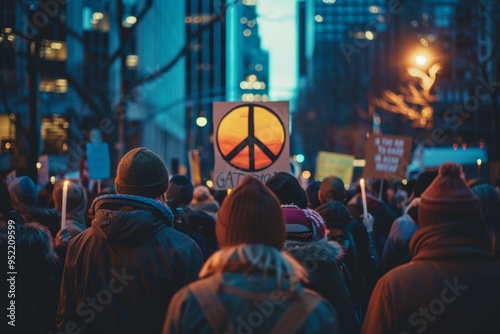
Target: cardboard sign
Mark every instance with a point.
(334, 164)
(387, 157)
(194, 167)
(250, 139)
(98, 161)
(43, 171)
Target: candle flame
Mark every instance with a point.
(66, 183)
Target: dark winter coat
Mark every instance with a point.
(450, 286)
(360, 263)
(34, 287)
(382, 214)
(121, 272)
(397, 246)
(320, 259)
(50, 218)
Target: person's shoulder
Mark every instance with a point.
(323, 314)
(182, 243)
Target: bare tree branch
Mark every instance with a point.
(84, 94)
(128, 33)
(183, 51)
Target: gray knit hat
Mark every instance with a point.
(24, 190)
(141, 172)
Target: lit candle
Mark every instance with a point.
(479, 162)
(363, 196)
(64, 201)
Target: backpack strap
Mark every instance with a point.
(303, 305)
(205, 292)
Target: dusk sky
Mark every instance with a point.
(277, 24)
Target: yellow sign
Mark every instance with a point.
(334, 164)
(250, 139)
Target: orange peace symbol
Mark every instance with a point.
(250, 137)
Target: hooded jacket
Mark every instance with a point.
(121, 272)
(253, 302)
(397, 247)
(337, 217)
(450, 286)
(320, 259)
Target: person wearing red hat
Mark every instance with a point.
(249, 285)
(451, 284)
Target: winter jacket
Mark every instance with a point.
(251, 303)
(33, 286)
(121, 272)
(50, 218)
(397, 246)
(320, 259)
(450, 286)
(357, 259)
(382, 214)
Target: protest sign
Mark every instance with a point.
(250, 139)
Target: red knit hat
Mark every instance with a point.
(250, 214)
(448, 198)
(304, 225)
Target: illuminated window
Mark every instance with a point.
(96, 20)
(53, 50)
(54, 135)
(131, 61)
(49, 85)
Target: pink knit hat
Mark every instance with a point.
(304, 225)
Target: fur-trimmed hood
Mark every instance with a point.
(323, 251)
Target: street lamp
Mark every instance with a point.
(420, 60)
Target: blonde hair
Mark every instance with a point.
(261, 257)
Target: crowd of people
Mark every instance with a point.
(155, 254)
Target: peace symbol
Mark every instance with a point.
(250, 137)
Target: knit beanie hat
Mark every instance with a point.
(424, 180)
(304, 225)
(448, 198)
(288, 190)
(250, 214)
(180, 190)
(312, 191)
(24, 190)
(141, 172)
(332, 188)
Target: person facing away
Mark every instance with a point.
(249, 285)
(397, 246)
(451, 284)
(76, 209)
(489, 208)
(23, 189)
(32, 286)
(197, 224)
(121, 272)
(288, 189)
(358, 266)
(306, 241)
(203, 200)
